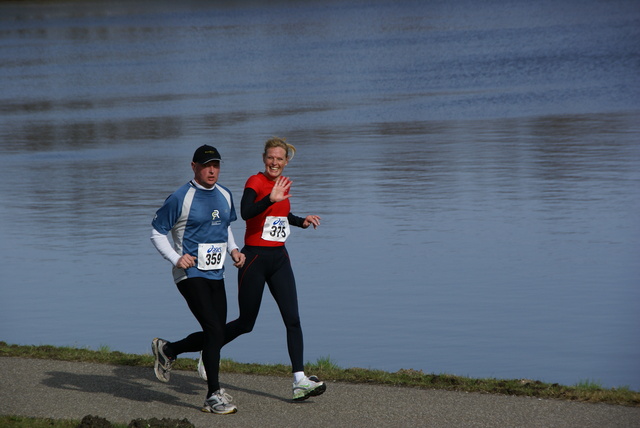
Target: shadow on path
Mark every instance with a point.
(126, 384)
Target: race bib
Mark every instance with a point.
(275, 229)
(211, 256)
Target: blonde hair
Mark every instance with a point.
(289, 149)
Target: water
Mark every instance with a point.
(476, 167)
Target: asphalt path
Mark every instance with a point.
(72, 390)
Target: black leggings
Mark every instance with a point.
(207, 300)
(270, 265)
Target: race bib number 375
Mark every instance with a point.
(211, 256)
(275, 229)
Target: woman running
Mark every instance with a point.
(265, 207)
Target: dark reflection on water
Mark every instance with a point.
(477, 176)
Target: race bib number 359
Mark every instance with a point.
(275, 229)
(211, 256)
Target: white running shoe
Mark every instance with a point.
(201, 371)
(308, 387)
(162, 365)
(219, 403)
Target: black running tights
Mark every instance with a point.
(270, 265)
(207, 300)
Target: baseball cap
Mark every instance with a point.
(206, 154)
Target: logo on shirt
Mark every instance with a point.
(215, 217)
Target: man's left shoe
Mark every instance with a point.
(219, 403)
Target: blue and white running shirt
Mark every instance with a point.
(194, 216)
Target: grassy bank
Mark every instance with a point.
(585, 391)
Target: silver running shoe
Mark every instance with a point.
(308, 387)
(219, 403)
(162, 365)
(201, 371)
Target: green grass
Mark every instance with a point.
(584, 391)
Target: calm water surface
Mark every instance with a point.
(477, 169)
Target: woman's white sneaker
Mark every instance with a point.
(201, 371)
(308, 387)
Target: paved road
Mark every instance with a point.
(67, 390)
